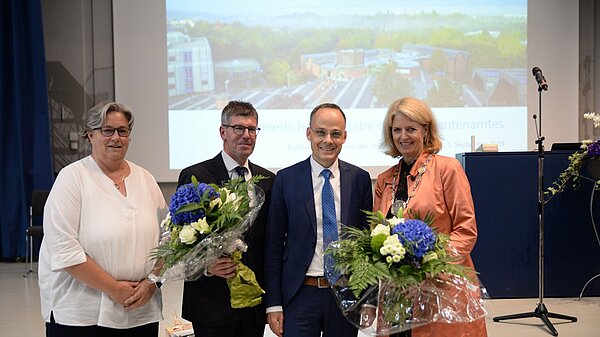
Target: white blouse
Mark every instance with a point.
(86, 214)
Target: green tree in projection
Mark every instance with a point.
(438, 61)
(354, 39)
(512, 49)
(445, 93)
(278, 72)
(449, 37)
(389, 85)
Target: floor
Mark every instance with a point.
(20, 305)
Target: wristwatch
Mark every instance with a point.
(154, 279)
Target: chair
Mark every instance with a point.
(35, 229)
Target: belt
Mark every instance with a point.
(319, 282)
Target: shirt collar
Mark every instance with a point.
(231, 164)
(316, 168)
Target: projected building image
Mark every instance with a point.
(359, 60)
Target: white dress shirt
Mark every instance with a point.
(231, 164)
(316, 266)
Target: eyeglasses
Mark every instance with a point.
(321, 133)
(240, 129)
(109, 132)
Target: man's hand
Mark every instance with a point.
(275, 320)
(224, 267)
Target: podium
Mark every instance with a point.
(504, 189)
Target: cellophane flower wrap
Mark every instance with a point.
(206, 222)
(401, 274)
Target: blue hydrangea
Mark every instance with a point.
(593, 149)
(187, 194)
(416, 237)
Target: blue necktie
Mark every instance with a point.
(330, 233)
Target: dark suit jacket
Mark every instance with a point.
(206, 300)
(291, 234)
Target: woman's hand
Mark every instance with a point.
(121, 291)
(144, 290)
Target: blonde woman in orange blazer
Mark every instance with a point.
(430, 183)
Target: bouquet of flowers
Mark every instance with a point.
(400, 274)
(205, 222)
(589, 150)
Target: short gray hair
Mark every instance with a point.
(238, 108)
(96, 116)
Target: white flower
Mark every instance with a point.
(201, 226)
(231, 197)
(215, 202)
(166, 221)
(393, 247)
(430, 256)
(594, 117)
(395, 220)
(381, 229)
(187, 234)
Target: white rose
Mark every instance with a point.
(187, 234)
(201, 226)
(381, 229)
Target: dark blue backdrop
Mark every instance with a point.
(504, 188)
(25, 148)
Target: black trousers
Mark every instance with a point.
(54, 329)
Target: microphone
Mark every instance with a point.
(537, 73)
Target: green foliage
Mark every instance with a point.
(389, 84)
(445, 93)
(571, 174)
(358, 256)
(219, 217)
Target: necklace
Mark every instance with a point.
(422, 169)
(118, 183)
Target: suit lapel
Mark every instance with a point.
(345, 191)
(304, 186)
(219, 170)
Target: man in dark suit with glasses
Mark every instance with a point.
(206, 301)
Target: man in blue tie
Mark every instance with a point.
(309, 201)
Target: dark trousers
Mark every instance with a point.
(242, 323)
(54, 329)
(313, 310)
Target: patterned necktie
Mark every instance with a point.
(330, 233)
(241, 171)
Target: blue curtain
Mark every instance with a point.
(25, 146)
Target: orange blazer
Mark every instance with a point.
(444, 191)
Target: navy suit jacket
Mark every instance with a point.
(291, 234)
(206, 300)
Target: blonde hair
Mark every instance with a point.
(417, 111)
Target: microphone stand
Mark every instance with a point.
(540, 311)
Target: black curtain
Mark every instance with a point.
(25, 147)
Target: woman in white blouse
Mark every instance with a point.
(101, 221)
